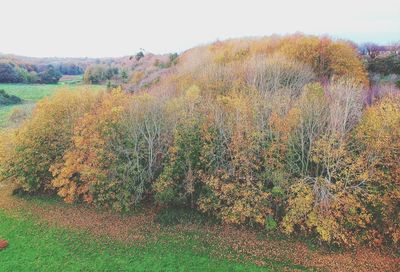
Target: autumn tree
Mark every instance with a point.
(379, 138)
(329, 59)
(115, 152)
(44, 138)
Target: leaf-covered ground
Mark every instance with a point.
(50, 235)
(36, 247)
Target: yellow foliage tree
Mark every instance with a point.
(42, 140)
(329, 59)
(379, 138)
(115, 152)
(88, 161)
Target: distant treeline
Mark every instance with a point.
(133, 73)
(11, 72)
(385, 65)
(383, 60)
(100, 73)
(140, 70)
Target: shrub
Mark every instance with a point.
(49, 76)
(329, 201)
(139, 55)
(317, 207)
(214, 161)
(20, 114)
(174, 216)
(173, 58)
(115, 152)
(233, 190)
(43, 139)
(6, 99)
(7, 152)
(272, 74)
(329, 59)
(378, 136)
(178, 183)
(9, 73)
(137, 77)
(384, 65)
(270, 224)
(95, 74)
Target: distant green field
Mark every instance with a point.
(67, 79)
(31, 93)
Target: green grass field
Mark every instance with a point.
(36, 247)
(31, 93)
(66, 79)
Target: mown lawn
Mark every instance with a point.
(38, 247)
(31, 93)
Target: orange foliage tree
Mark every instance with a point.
(43, 139)
(114, 153)
(329, 59)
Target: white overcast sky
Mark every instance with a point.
(78, 28)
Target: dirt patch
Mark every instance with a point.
(140, 228)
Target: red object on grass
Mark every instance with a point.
(3, 244)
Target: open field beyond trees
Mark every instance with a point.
(31, 93)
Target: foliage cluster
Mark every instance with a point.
(13, 73)
(327, 58)
(43, 139)
(6, 99)
(96, 74)
(385, 65)
(244, 131)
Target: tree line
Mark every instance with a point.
(273, 133)
(11, 72)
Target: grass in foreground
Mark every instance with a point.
(48, 235)
(37, 247)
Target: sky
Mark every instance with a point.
(97, 28)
